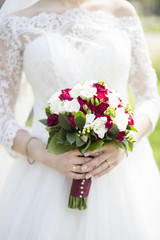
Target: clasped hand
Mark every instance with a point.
(94, 164)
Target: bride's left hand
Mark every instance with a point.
(103, 161)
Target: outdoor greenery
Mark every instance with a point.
(155, 136)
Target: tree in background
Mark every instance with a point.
(148, 6)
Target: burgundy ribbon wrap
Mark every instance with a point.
(80, 188)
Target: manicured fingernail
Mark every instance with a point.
(88, 176)
(84, 168)
(86, 154)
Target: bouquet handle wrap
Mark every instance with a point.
(79, 194)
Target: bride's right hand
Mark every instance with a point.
(63, 163)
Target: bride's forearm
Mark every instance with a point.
(35, 149)
(143, 125)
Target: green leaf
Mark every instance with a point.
(124, 145)
(79, 142)
(85, 149)
(47, 110)
(43, 121)
(132, 128)
(85, 138)
(64, 122)
(108, 138)
(71, 137)
(57, 148)
(130, 146)
(80, 120)
(51, 135)
(114, 131)
(61, 137)
(96, 145)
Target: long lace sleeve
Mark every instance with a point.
(143, 79)
(10, 73)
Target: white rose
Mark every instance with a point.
(99, 126)
(89, 120)
(113, 100)
(71, 106)
(84, 90)
(54, 98)
(57, 107)
(121, 119)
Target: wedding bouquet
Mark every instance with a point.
(87, 117)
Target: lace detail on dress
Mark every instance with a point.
(10, 71)
(143, 79)
(16, 34)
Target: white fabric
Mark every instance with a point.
(10, 6)
(57, 51)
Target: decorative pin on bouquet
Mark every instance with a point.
(87, 117)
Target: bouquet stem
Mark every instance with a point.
(79, 194)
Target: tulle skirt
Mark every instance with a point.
(122, 205)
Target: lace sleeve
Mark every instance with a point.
(143, 79)
(10, 74)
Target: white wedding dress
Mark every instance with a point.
(57, 51)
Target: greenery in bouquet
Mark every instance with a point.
(87, 117)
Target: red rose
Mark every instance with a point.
(52, 120)
(91, 107)
(101, 95)
(102, 107)
(81, 102)
(120, 136)
(72, 122)
(65, 95)
(130, 120)
(100, 88)
(109, 123)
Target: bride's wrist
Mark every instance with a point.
(37, 151)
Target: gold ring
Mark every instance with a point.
(108, 164)
(74, 168)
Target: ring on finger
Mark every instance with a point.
(108, 164)
(74, 169)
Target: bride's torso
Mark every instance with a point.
(60, 50)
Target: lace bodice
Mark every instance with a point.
(58, 50)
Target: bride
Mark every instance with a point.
(58, 43)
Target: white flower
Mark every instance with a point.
(71, 106)
(113, 100)
(89, 120)
(57, 106)
(99, 126)
(84, 90)
(121, 119)
(54, 98)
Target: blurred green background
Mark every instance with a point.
(149, 12)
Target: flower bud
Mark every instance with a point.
(96, 102)
(85, 107)
(89, 111)
(92, 101)
(84, 131)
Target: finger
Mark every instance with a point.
(76, 176)
(74, 152)
(75, 168)
(80, 160)
(94, 163)
(104, 172)
(93, 153)
(104, 166)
